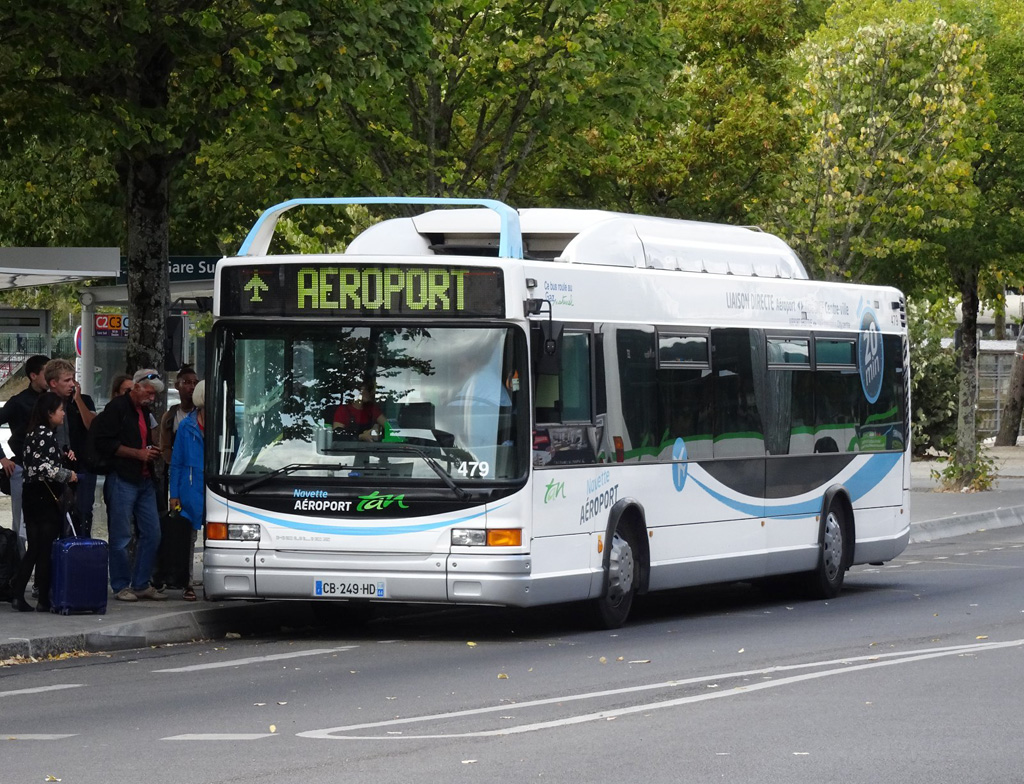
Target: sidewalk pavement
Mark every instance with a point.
(934, 515)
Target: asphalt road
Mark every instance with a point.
(915, 673)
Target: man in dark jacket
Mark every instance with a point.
(124, 434)
(15, 414)
(79, 411)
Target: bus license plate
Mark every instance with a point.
(361, 589)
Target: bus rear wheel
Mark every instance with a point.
(622, 573)
(826, 580)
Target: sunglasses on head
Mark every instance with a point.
(150, 377)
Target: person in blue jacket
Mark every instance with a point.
(187, 489)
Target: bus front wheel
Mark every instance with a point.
(826, 580)
(622, 575)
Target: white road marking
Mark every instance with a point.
(840, 667)
(221, 736)
(39, 689)
(34, 737)
(258, 659)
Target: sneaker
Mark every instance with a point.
(126, 595)
(150, 593)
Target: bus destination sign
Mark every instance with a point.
(325, 290)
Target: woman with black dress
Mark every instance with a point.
(46, 476)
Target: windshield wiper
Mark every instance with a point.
(461, 494)
(287, 469)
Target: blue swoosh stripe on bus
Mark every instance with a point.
(858, 485)
(353, 531)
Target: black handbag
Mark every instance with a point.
(67, 502)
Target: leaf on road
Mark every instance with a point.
(232, 636)
(603, 660)
(282, 703)
(502, 676)
(273, 728)
(981, 637)
(741, 650)
(640, 661)
(52, 778)
(471, 644)
(259, 704)
(468, 762)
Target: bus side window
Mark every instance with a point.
(548, 405)
(566, 397)
(575, 378)
(638, 386)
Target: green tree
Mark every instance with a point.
(716, 133)
(894, 111)
(888, 113)
(142, 83)
(446, 98)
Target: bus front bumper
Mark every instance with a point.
(437, 578)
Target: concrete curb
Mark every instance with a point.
(947, 527)
(202, 623)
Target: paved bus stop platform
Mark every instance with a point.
(934, 515)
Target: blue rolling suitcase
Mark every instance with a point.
(79, 576)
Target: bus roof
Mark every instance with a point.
(489, 228)
(589, 237)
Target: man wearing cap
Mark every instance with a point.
(125, 434)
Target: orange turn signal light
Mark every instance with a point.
(217, 531)
(504, 537)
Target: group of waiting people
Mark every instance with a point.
(54, 427)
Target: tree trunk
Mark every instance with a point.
(1009, 420)
(966, 454)
(148, 215)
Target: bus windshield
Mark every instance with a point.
(370, 402)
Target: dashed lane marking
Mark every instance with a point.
(40, 689)
(34, 736)
(221, 736)
(258, 659)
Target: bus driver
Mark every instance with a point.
(361, 416)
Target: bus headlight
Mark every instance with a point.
(494, 537)
(235, 532)
(468, 537)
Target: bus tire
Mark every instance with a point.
(826, 580)
(621, 579)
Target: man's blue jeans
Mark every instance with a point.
(128, 501)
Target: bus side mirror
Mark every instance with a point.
(546, 345)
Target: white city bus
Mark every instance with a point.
(555, 406)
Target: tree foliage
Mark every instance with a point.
(140, 84)
(444, 98)
(890, 112)
(714, 135)
(933, 375)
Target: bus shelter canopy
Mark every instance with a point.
(23, 267)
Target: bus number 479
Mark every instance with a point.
(474, 469)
